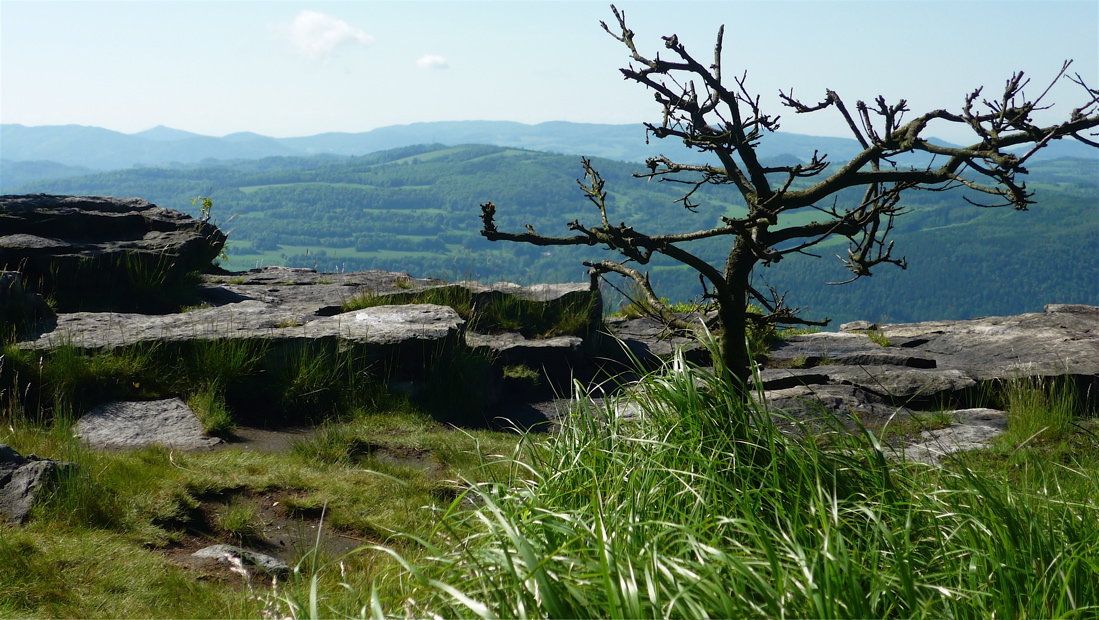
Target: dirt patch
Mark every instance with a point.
(278, 527)
(266, 439)
(403, 456)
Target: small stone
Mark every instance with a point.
(270, 565)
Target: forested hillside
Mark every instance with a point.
(415, 209)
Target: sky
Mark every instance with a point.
(299, 68)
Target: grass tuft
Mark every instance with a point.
(879, 338)
(238, 519)
(208, 403)
(1037, 410)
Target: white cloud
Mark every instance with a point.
(431, 61)
(317, 35)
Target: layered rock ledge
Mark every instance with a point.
(102, 252)
(871, 373)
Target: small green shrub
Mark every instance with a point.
(879, 338)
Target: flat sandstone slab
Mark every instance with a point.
(167, 422)
(1062, 340)
(382, 325)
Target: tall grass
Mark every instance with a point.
(67, 380)
(1039, 410)
(128, 282)
(671, 517)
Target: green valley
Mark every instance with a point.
(415, 209)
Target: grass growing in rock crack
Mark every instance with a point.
(494, 312)
(879, 338)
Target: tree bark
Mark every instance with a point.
(732, 316)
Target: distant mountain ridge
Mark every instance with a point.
(104, 149)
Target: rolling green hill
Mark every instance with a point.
(415, 209)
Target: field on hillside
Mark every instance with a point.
(415, 209)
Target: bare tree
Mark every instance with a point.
(716, 116)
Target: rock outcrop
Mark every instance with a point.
(22, 479)
(936, 366)
(100, 252)
(943, 362)
(1062, 340)
(123, 248)
(375, 315)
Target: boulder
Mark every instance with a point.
(22, 479)
(102, 252)
(404, 336)
(169, 422)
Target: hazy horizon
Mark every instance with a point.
(294, 69)
(162, 126)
